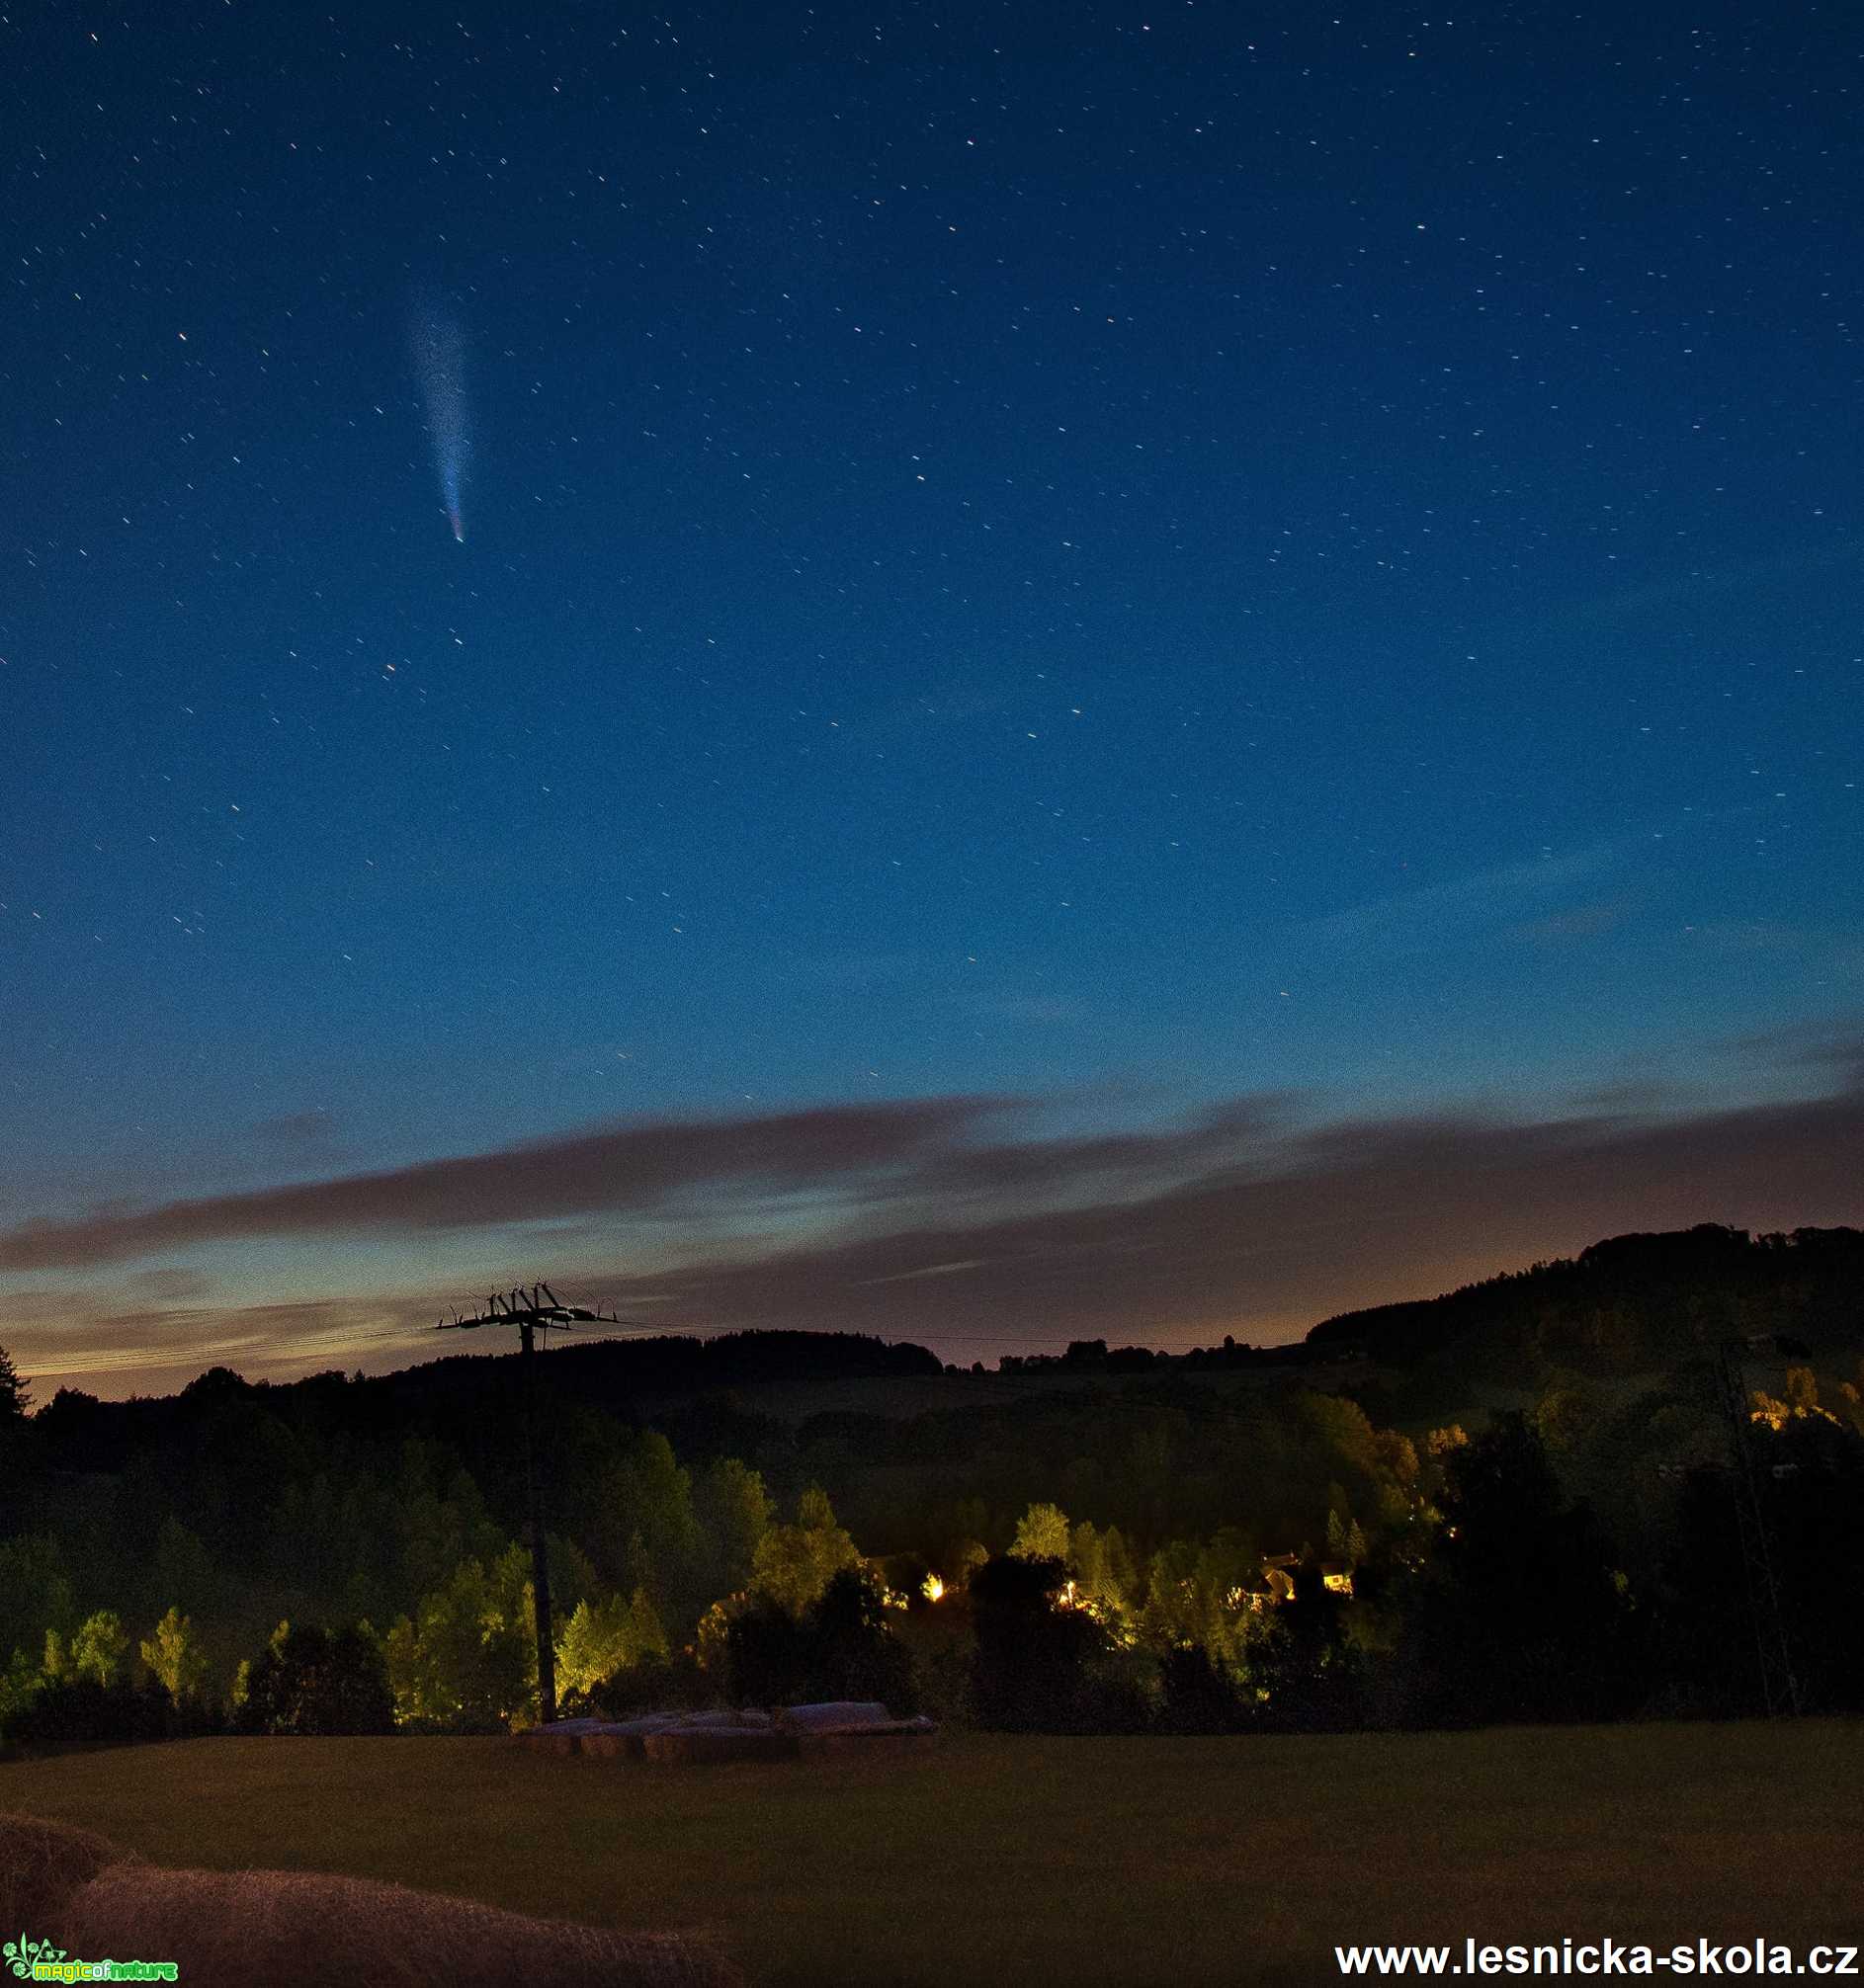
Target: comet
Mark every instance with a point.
(439, 347)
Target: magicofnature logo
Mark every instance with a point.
(40, 1960)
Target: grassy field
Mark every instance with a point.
(996, 1860)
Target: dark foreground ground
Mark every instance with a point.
(988, 1859)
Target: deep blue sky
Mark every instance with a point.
(1258, 593)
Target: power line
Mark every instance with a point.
(533, 1312)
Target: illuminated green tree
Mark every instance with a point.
(1194, 1593)
(174, 1655)
(734, 1510)
(468, 1657)
(1042, 1533)
(1106, 1579)
(793, 1564)
(605, 1637)
(96, 1650)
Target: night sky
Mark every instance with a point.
(1109, 670)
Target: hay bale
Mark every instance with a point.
(41, 1864)
(548, 1740)
(237, 1929)
(622, 1739)
(836, 1715)
(615, 1739)
(850, 1725)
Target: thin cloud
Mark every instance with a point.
(1434, 915)
(932, 1270)
(1346, 1216)
(1243, 1219)
(1833, 1047)
(616, 1169)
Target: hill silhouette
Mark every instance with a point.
(1628, 1303)
(1631, 1303)
(447, 1395)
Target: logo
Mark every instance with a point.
(40, 1960)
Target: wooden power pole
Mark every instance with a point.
(531, 1311)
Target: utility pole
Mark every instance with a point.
(531, 1311)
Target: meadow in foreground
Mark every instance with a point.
(1007, 1859)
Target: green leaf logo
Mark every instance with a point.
(22, 1953)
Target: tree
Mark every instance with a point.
(793, 1564)
(182, 1570)
(1042, 1533)
(1345, 1538)
(842, 1649)
(34, 1591)
(1522, 1613)
(468, 1657)
(20, 1682)
(1106, 1579)
(1800, 1403)
(960, 1559)
(734, 1511)
(96, 1650)
(613, 1636)
(309, 1680)
(647, 1532)
(1032, 1670)
(174, 1655)
(766, 1653)
(853, 1651)
(1567, 1413)
(15, 1395)
(437, 1518)
(1851, 1392)
(1189, 1590)
(1301, 1660)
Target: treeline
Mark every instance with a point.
(1506, 1593)
(1163, 1553)
(1631, 1303)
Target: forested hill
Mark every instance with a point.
(613, 1372)
(1631, 1301)
(479, 1383)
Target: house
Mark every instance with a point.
(1277, 1584)
(1278, 1575)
